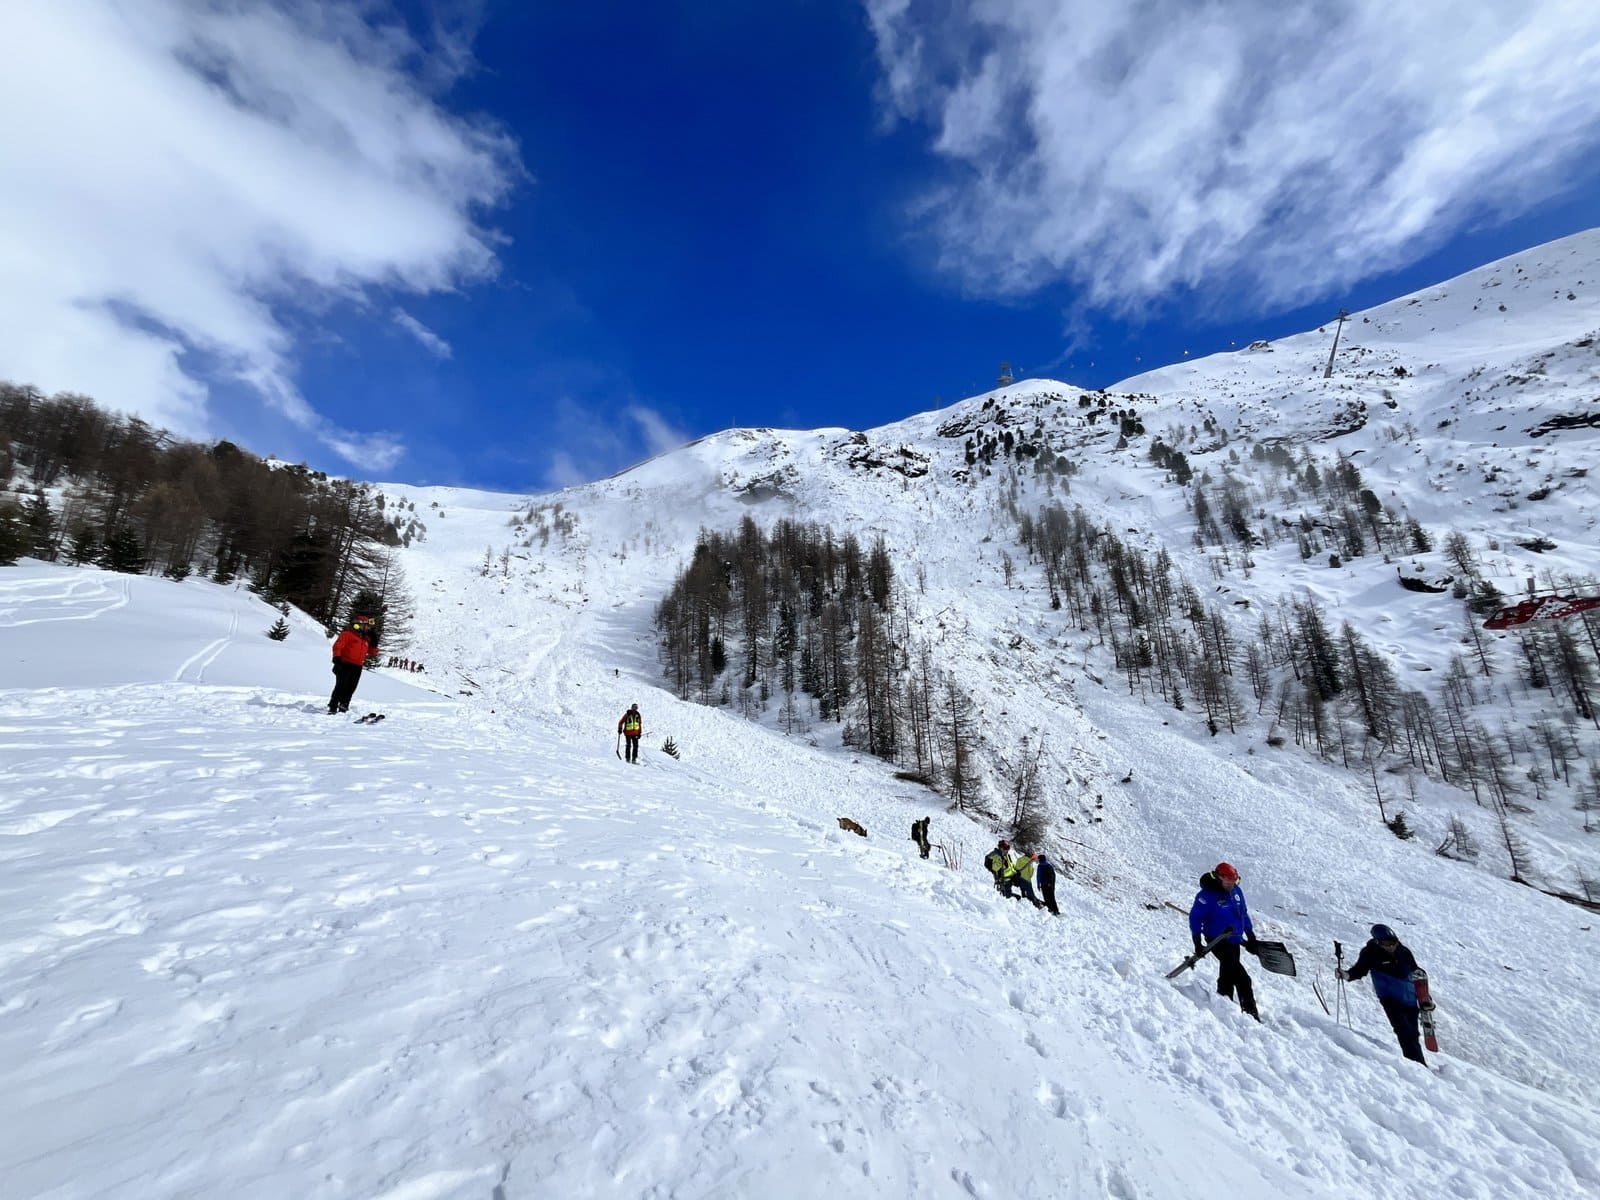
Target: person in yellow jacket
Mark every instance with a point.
(631, 727)
(1020, 875)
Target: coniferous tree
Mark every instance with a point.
(123, 551)
(13, 533)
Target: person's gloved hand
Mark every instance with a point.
(1427, 1006)
(1197, 943)
(1251, 944)
(1342, 973)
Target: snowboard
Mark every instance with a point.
(1275, 957)
(1430, 1034)
(1200, 953)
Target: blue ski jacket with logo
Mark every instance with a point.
(1391, 972)
(1216, 908)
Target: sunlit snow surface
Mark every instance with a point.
(247, 949)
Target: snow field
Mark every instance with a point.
(465, 951)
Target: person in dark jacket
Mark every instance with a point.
(1220, 906)
(919, 835)
(350, 651)
(1391, 966)
(1045, 870)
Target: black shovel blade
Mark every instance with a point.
(1275, 957)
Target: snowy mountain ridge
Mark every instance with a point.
(468, 953)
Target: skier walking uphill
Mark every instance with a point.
(1392, 966)
(631, 727)
(1220, 906)
(919, 835)
(350, 651)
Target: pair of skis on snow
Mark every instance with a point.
(371, 718)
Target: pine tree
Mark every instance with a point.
(85, 546)
(279, 630)
(41, 526)
(123, 551)
(13, 533)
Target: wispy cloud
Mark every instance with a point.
(591, 440)
(659, 434)
(1134, 148)
(195, 167)
(431, 341)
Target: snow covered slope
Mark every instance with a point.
(247, 948)
(470, 953)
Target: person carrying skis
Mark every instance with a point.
(919, 835)
(1046, 871)
(1391, 966)
(1219, 906)
(996, 861)
(631, 727)
(350, 651)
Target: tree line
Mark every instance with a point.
(1324, 685)
(85, 485)
(820, 621)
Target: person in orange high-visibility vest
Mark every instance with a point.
(350, 651)
(630, 727)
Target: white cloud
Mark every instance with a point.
(179, 171)
(1292, 149)
(430, 341)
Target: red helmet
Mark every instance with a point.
(1226, 871)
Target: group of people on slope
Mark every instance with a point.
(1219, 910)
(1013, 877)
(405, 664)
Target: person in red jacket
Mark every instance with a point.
(350, 651)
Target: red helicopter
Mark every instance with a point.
(1541, 608)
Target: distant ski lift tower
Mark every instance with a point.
(1344, 316)
(1005, 374)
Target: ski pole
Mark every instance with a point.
(619, 743)
(1343, 1001)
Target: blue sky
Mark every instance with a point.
(517, 246)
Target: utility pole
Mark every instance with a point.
(1343, 317)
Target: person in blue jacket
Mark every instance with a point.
(1391, 966)
(1220, 906)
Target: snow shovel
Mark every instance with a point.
(1274, 957)
(1200, 953)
